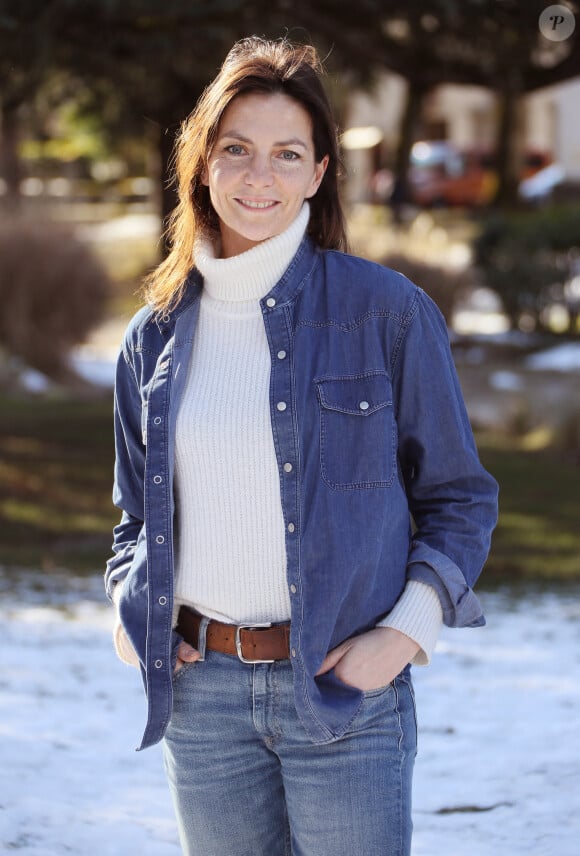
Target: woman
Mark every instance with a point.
(283, 410)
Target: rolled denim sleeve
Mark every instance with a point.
(460, 604)
(452, 499)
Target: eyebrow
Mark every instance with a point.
(236, 135)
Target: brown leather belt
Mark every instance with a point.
(251, 643)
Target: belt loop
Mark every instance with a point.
(203, 624)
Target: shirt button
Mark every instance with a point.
(281, 405)
(288, 468)
(291, 527)
(160, 539)
(293, 589)
(364, 405)
(162, 600)
(281, 355)
(293, 652)
(157, 479)
(158, 664)
(157, 420)
(270, 302)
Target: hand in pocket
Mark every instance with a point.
(371, 660)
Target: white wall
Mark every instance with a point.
(470, 114)
(554, 116)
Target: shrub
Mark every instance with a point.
(527, 258)
(566, 437)
(52, 292)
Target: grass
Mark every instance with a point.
(56, 469)
(538, 536)
(56, 460)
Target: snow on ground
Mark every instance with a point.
(498, 772)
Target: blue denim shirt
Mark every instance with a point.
(385, 484)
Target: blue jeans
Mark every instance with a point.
(247, 781)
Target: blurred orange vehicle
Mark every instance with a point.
(442, 174)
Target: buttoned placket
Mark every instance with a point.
(156, 496)
(166, 389)
(286, 447)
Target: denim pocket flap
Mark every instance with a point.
(359, 395)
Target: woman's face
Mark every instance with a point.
(261, 169)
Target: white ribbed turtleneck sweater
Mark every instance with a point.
(231, 555)
(230, 545)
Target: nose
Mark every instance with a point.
(259, 172)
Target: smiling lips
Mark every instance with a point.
(256, 205)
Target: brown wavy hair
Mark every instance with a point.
(252, 65)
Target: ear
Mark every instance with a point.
(319, 170)
(205, 177)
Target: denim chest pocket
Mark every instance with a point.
(357, 431)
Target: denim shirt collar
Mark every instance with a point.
(285, 290)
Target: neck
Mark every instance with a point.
(250, 275)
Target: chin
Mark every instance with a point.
(259, 237)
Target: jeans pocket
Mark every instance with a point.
(374, 693)
(184, 670)
(379, 691)
(378, 705)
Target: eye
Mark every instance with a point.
(235, 149)
(289, 155)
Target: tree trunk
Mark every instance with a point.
(408, 129)
(10, 165)
(509, 141)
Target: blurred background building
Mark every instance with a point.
(459, 124)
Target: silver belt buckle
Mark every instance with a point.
(239, 629)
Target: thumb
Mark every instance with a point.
(187, 653)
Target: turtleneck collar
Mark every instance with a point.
(250, 275)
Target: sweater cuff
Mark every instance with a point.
(123, 647)
(417, 614)
(116, 593)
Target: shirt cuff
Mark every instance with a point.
(417, 614)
